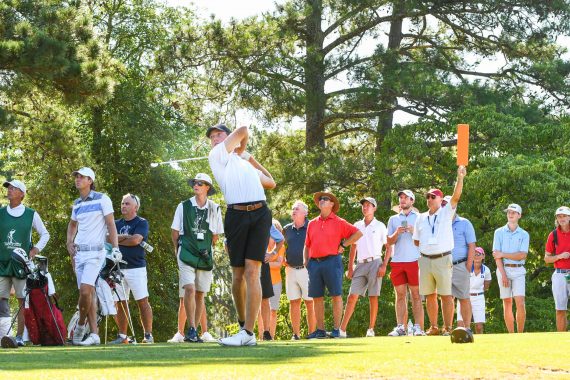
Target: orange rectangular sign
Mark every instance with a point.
(462, 144)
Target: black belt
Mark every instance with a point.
(476, 294)
(460, 261)
(297, 267)
(247, 206)
(319, 259)
(439, 255)
(559, 270)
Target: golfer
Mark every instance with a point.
(247, 223)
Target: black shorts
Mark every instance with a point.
(247, 234)
(266, 285)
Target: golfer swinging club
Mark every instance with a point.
(91, 218)
(247, 223)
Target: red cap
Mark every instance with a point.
(436, 192)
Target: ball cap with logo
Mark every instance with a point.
(17, 184)
(562, 210)
(514, 207)
(204, 178)
(436, 192)
(85, 172)
(370, 200)
(219, 127)
(407, 192)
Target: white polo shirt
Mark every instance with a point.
(374, 236)
(238, 179)
(178, 221)
(477, 281)
(89, 213)
(434, 231)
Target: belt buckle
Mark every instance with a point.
(250, 207)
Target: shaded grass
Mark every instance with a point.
(536, 355)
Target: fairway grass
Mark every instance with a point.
(532, 355)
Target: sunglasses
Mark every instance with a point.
(324, 199)
(199, 183)
(431, 196)
(479, 254)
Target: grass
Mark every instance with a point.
(532, 355)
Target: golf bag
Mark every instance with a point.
(109, 276)
(42, 317)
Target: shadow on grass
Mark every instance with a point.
(161, 355)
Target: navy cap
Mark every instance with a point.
(219, 127)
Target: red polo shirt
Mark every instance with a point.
(562, 245)
(324, 235)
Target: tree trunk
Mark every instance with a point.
(315, 88)
(388, 100)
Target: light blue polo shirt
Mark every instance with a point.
(511, 242)
(463, 234)
(405, 251)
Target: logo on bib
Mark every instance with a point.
(10, 242)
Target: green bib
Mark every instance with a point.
(14, 233)
(196, 225)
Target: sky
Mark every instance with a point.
(239, 9)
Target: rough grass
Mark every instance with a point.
(533, 355)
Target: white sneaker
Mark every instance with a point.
(91, 340)
(207, 337)
(398, 331)
(370, 333)
(341, 333)
(242, 338)
(418, 331)
(78, 334)
(5, 326)
(177, 338)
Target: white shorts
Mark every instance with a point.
(477, 309)
(517, 284)
(297, 284)
(201, 279)
(560, 291)
(276, 299)
(88, 265)
(135, 281)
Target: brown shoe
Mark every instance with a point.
(446, 331)
(433, 330)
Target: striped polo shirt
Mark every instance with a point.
(89, 213)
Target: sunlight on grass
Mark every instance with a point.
(491, 356)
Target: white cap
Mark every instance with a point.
(408, 193)
(514, 207)
(369, 199)
(205, 178)
(17, 184)
(85, 172)
(562, 210)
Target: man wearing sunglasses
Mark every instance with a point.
(433, 234)
(132, 231)
(195, 228)
(327, 238)
(248, 220)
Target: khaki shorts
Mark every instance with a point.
(6, 284)
(517, 283)
(297, 284)
(460, 282)
(201, 279)
(435, 275)
(365, 278)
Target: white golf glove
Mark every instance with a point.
(116, 255)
